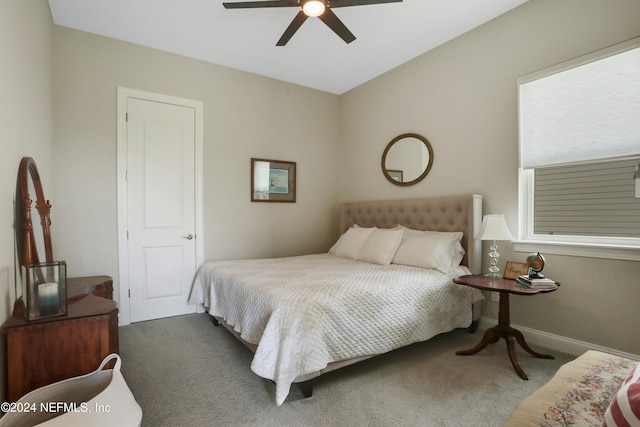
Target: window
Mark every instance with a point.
(579, 144)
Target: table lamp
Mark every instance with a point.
(494, 227)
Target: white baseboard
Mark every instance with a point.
(556, 342)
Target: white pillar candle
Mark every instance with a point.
(48, 298)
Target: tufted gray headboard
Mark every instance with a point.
(451, 213)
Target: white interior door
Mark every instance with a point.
(161, 200)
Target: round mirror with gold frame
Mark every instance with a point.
(407, 159)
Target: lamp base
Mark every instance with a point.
(494, 270)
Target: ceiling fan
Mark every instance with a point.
(310, 8)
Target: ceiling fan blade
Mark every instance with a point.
(345, 3)
(292, 28)
(333, 22)
(256, 4)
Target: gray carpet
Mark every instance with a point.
(183, 371)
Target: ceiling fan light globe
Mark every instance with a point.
(313, 8)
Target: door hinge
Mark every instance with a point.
(129, 293)
(126, 117)
(127, 234)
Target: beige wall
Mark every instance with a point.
(25, 117)
(244, 116)
(462, 97)
(25, 122)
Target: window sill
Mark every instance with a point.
(627, 253)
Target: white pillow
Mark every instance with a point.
(457, 250)
(332, 249)
(457, 235)
(352, 241)
(430, 249)
(381, 246)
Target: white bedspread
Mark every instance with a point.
(307, 311)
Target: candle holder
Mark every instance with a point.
(44, 290)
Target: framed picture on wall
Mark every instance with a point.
(273, 181)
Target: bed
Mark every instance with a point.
(307, 315)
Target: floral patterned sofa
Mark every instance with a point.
(596, 389)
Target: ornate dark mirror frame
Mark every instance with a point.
(28, 176)
(386, 172)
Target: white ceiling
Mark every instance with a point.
(388, 35)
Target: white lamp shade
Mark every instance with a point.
(494, 227)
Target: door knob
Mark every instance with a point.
(188, 236)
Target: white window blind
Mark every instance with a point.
(588, 111)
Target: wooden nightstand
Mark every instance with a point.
(503, 329)
(42, 352)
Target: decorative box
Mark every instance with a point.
(44, 290)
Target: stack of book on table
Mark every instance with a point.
(539, 283)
